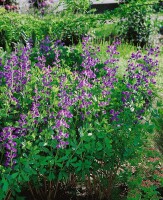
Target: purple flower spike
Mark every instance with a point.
(7, 138)
(114, 115)
(61, 123)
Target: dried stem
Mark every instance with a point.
(30, 188)
(56, 189)
(45, 185)
(8, 195)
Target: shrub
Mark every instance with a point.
(135, 23)
(77, 6)
(158, 6)
(64, 128)
(16, 27)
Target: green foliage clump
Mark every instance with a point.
(16, 27)
(64, 127)
(135, 21)
(158, 6)
(77, 6)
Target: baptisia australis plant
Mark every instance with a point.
(82, 121)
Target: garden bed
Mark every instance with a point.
(79, 119)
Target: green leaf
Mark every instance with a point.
(99, 146)
(59, 164)
(14, 175)
(51, 176)
(5, 186)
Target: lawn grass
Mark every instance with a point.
(105, 30)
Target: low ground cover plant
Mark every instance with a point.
(67, 126)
